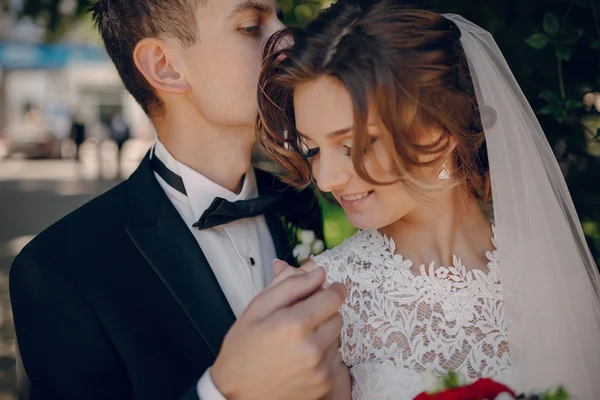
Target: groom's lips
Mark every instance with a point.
(351, 202)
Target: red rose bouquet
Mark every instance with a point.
(451, 386)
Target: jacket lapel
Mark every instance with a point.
(283, 247)
(267, 184)
(169, 247)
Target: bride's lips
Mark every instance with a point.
(352, 201)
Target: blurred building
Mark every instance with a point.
(72, 77)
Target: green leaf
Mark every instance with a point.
(546, 110)
(451, 380)
(557, 394)
(595, 44)
(573, 105)
(552, 98)
(563, 52)
(537, 41)
(551, 25)
(572, 36)
(560, 115)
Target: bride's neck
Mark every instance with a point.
(451, 224)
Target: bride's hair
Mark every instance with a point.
(409, 62)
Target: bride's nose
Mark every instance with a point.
(331, 172)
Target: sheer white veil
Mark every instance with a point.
(550, 281)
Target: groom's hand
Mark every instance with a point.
(285, 345)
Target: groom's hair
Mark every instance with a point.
(123, 23)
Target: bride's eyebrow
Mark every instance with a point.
(332, 135)
(345, 131)
(339, 132)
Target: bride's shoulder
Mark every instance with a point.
(348, 245)
(340, 258)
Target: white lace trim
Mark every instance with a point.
(444, 318)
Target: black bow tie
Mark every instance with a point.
(221, 211)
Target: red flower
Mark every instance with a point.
(483, 389)
(490, 389)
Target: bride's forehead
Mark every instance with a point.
(322, 106)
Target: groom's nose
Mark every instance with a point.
(274, 25)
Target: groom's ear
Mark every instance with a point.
(158, 64)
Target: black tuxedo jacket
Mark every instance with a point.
(117, 302)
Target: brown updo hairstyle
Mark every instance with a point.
(407, 62)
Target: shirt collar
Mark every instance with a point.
(201, 191)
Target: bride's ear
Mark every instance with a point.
(155, 61)
(452, 143)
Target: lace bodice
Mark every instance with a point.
(398, 323)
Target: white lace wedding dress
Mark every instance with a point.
(398, 324)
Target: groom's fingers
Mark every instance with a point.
(318, 308)
(326, 336)
(284, 294)
(333, 357)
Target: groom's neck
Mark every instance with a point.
(221, 154)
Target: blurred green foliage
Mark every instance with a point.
(299, 12)
(56, 15)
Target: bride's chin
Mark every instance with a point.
(363, 222)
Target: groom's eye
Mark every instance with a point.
(250, 30)
(251, 27)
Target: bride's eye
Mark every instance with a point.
(311, 153)
(347, 150)
(347, 146)
(306, 151)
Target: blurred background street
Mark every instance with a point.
(70, 131)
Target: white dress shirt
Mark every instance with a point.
(240, 253)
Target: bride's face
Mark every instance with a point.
(324, 116)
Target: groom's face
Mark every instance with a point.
(222, 68)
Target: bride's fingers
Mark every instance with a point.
(286, 273)
(279, 266)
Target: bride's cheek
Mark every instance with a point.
(313, 166)
(379, 164)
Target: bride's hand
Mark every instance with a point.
(283, 270)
